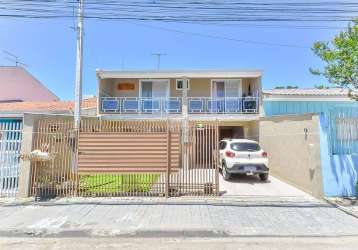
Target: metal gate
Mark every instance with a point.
(198, 174)
(10, 146)
(126, 158)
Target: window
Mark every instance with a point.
(222, 145)
(347, 129)
(246, 146)
(180, 84)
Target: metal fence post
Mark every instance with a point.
(217, 157)
(29, 126)
(167, 183)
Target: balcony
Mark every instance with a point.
(173, 105)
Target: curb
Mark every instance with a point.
(346, 211)
(235, 200)
(187, 233)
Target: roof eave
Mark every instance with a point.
(107, 74)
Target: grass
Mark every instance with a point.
(117, 183)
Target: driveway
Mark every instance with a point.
(252, 186)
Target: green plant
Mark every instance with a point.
(321, 86)
(286, 87)
(115, 183)
(341, 58)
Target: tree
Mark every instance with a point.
(321, 86)
(286, 87)
(340, 57)
(291, 87)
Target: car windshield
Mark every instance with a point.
(245, 146)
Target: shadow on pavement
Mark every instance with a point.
(250, 179)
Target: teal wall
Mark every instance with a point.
(300, 107)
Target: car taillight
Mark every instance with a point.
(230, 154)
(264, 154)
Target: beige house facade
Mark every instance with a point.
(233, 98)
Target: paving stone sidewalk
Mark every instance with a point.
(217, 217)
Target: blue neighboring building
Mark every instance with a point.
(301, 101)
(338, 131)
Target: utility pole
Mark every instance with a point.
(185, 122)
(158, 55)
(79, 65)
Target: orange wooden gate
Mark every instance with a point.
(128, 152)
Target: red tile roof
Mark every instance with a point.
(54, 106)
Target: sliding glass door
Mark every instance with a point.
(225, 96)
(153, 95)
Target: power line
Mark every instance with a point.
(223, 37)
(223, 11)
(13, 58)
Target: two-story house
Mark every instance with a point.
(231, 97)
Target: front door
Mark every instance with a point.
(218, 96)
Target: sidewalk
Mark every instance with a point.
(157, 217)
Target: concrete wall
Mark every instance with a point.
(339, 171)
(89, 112)
(294, 155)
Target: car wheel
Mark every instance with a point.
(263, 177)
(225, 174)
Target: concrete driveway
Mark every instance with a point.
(252, 186)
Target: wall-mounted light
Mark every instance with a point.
(305, 130)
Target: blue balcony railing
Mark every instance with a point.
(173, 105)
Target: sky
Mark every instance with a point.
(48, 48)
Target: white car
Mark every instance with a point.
(241, 156)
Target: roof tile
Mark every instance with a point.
(65, 106)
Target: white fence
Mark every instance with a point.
(10, 147)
